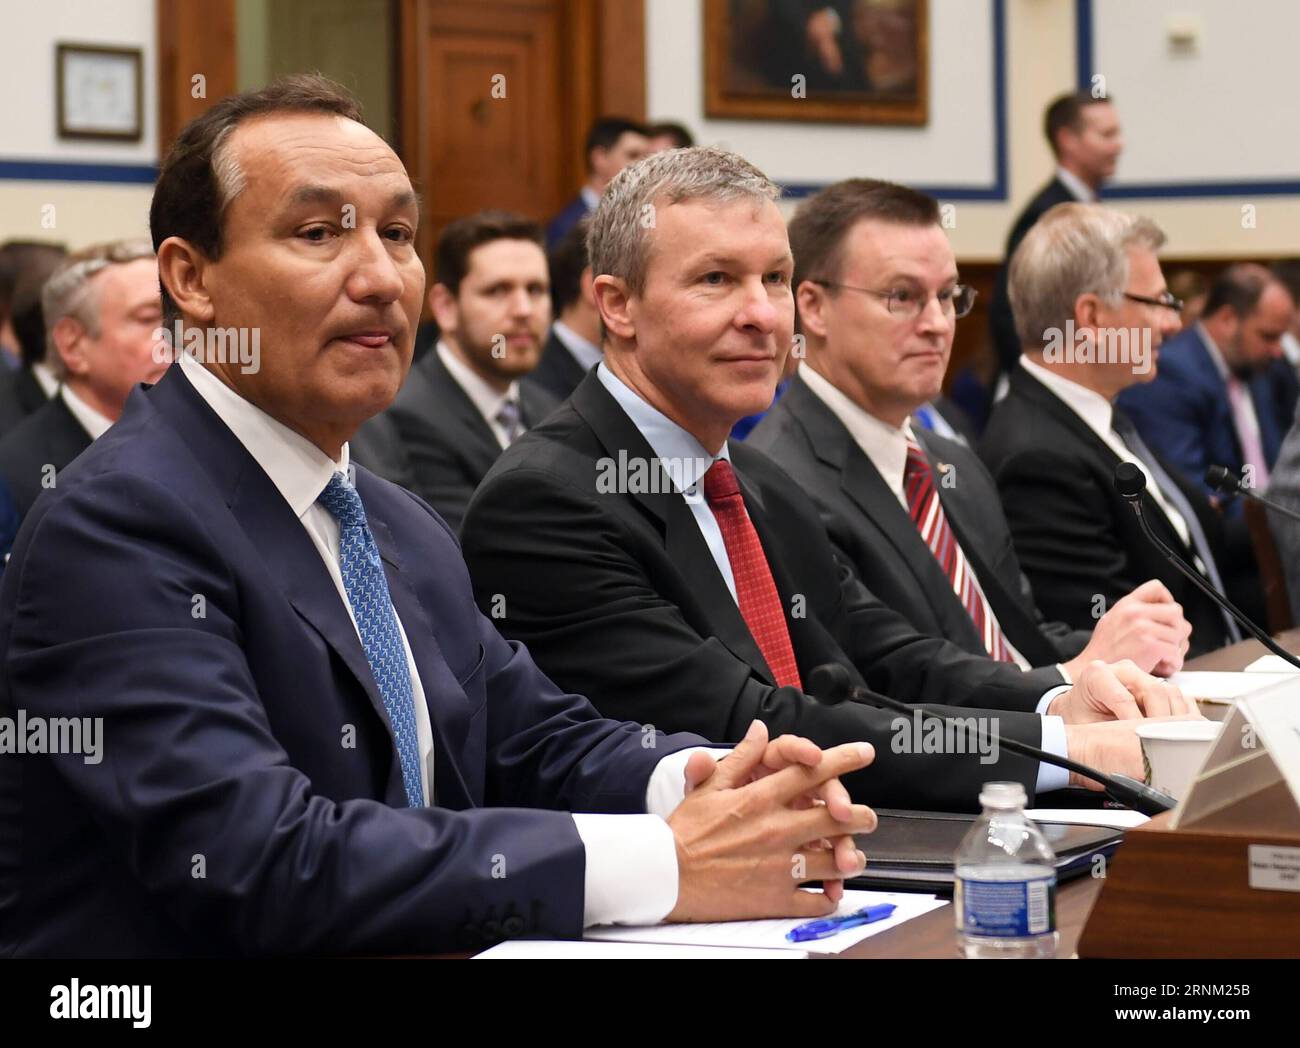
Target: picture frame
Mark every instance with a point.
(99, 92)
(861, 61)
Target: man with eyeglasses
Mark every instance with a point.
(683, 578)
(1092, 310)
(917, 514)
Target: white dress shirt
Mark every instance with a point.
(483, 396)
(586, 353)
(46, 379)
(92, 421)
(1097, 414)
(672, 443)
(1079, 189)
(631, 860)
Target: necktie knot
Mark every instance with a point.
(343, 502)
(510, 418)
(720, 482)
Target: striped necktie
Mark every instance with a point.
(927, 514)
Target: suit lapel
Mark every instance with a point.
(683, 543)
(447, 405)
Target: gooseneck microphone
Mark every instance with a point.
(831, 684)
(1131, 482)
(1222, 479)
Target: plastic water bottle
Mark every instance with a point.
(1005, 892)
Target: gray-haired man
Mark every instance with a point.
(685, 582)
(102, 312)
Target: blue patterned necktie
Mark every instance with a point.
(372, 607)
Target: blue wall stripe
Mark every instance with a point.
(71, 171)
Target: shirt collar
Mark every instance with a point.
(46, 378)
(485, 398)
(297, 467)
(94, 422)
(1089, 405)
(883, 444)
(1079, 189)
(684, 458)
(587, 354)
(589, 197)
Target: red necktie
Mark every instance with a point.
(760, 603)
(927, 514)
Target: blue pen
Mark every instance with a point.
(830, 925)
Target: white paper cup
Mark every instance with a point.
(1173, 752)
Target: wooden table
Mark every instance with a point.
(935, 934)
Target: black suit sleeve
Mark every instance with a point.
(558, 572)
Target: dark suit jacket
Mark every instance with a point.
(1002, 323)
(20, 395)
(869, 526)
(1184, 412)
(558, 372)
(1076, 537)
(444, 445)
(615, 591)
(244, 736)
(574, 212)
(50, 436)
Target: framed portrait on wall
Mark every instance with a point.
(843, 61)
(98, 92)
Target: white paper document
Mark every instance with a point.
(570, 950)
(1271, 664)
(770, 935)
(1222, 686)
(1117, 818)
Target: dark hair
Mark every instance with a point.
(30, 262)
(818, 228)
(682, 139)
(461, 237)
(1238, 287)
(606, 132)
(1067, 111)
(567, 261)
(188, 201)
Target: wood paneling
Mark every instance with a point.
(195, 38)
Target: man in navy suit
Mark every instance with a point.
(613, 142)
(1223, 392)
(1084, 133)
(294, 733)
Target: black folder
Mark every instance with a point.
(913, 851)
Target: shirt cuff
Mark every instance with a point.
(1065, 674)
(1050, 777)
(667, 786)
(631, 874)
(1045, 703)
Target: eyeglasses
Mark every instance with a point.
(956, 301)
(1165, 299)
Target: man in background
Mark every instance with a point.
(470, 398)
(668, 135)
(916, 514)
(1225, 394)
(573, 346)
(32, 383)
(102, 317)
(1084, 134)
(613, 142)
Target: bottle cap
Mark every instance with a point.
(1003, 796)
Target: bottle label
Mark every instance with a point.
(1007, 909)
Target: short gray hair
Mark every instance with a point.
(1073, 250)
(617, 243)
(70, 290)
